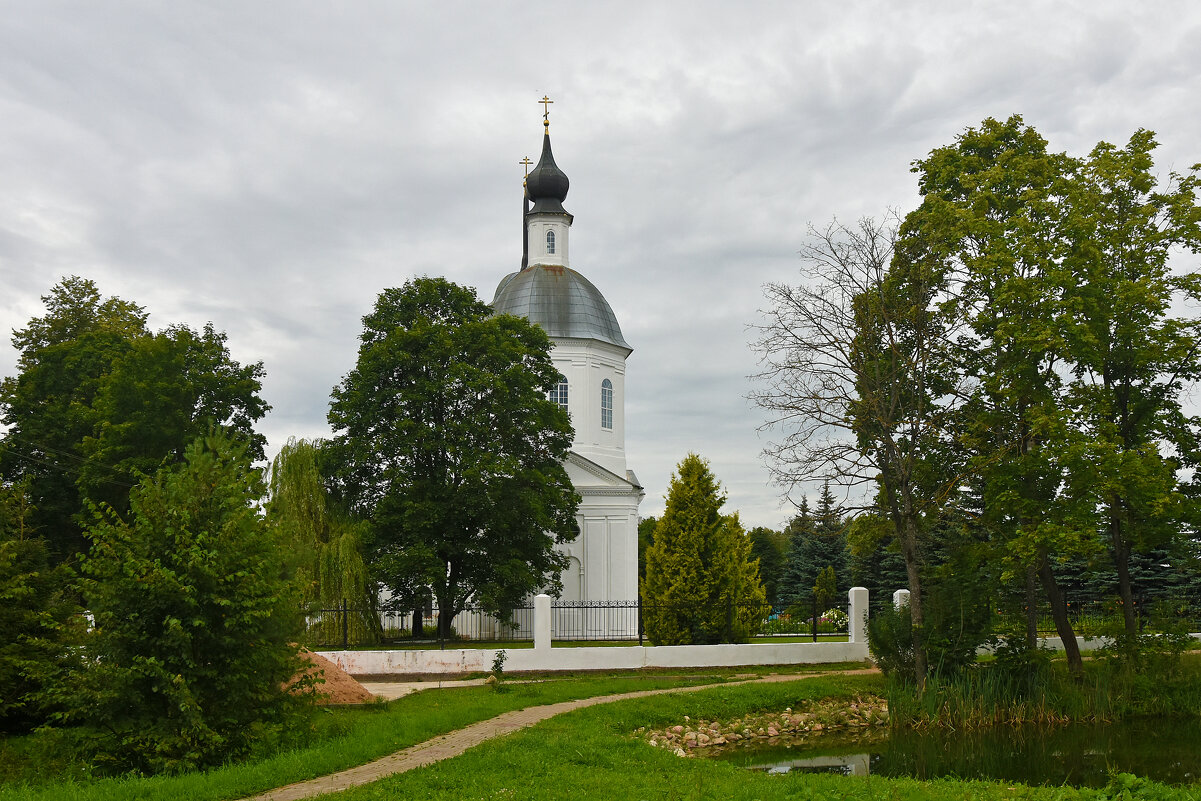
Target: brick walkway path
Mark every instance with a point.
(456, 742)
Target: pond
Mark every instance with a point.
(1081, 755)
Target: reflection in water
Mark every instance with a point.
(1081, 755)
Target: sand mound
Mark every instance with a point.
(339, 687)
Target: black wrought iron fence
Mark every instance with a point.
(598, 621)
(345, 626)
(614, 621)
(602, 621)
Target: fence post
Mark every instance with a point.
(541, 621)
(640, 618)
(345, 626)
(857, 625)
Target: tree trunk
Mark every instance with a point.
(1121, 560)
(912, 570)
(1059, 611)
(446, 616)
(1031, 608)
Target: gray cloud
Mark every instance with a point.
(271, 167)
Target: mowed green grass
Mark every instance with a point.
(347, 737)
(592, 754)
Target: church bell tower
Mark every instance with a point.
(590, 354)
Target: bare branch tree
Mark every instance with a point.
(858, 377)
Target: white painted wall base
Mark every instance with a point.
(632, 657)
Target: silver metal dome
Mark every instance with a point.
(560, 300)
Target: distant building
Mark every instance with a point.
(590, 354)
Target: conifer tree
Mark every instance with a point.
(36, 610)
(817, 541)
(702, 586)
(771, 549)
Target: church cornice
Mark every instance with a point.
(595, 469)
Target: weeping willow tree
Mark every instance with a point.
(324, 546)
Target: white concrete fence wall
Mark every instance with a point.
(543, 657)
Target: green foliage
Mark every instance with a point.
(168, 389)
(771, 549)
(99, 400)
(825, 589)
(195, 621)
(449, 444)
(1044, 692)
(646, 536)
(890, 641)
(323, 543)
(816, 541)
(875, 560)
(701, 583)
(36, 616)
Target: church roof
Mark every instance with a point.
(560, 300)
(547, 185)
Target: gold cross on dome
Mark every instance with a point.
(546, 104)
(526, 163)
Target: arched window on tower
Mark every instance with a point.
(607, 404)
(559, 393)
(550, 243)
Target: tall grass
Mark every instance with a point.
(991, 694)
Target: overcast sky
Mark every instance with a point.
(272, 166)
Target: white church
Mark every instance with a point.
(590, 353)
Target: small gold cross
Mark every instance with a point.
(546, 104)
(526, 161)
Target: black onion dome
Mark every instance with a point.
(546, 184)
(561, 301)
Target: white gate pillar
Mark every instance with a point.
(857, 624)
(541, 622)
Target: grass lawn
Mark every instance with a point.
(348, 737)
(587, 754)
(591, 754)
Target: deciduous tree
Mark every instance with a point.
(859, 377)
(323, 543)
(1134, 348)
(450, 446)
(99, 400)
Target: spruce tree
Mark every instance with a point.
(817, 541)
(702, 586)
(771, 549)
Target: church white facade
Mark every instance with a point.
(591, 354)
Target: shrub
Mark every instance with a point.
(35, 627)
(890, 640)
(195, 621)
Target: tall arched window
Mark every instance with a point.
(550, 242)
(607, 404)
(559, 393)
